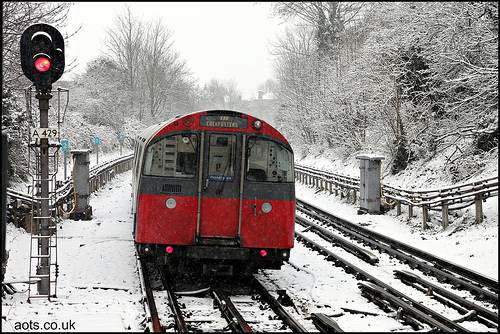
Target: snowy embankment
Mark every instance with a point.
(464, 242)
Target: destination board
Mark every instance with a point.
(227, 122)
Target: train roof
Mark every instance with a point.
(214, 120)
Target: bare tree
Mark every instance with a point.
(157, 77)
(268, 86)
(125, 43)
(16, 17)
(221, 94)
(295, 73)
(164, 70)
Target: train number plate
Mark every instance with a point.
(44, 133)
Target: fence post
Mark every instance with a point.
(445, 215)
(425, 216)
(479, 209)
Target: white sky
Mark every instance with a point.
(221, 40)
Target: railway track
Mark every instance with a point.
(384, 293)
(186, 304)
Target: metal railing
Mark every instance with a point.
(98, 177)
(444, 199)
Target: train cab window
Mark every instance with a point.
(268, 161)
(221, 157)
(173, 156)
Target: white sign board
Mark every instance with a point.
(44, 133)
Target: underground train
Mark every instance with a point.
(214, 193)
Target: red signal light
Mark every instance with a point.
(42, 64)
(263, 253)
(169, 249)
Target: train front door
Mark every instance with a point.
(221, 180)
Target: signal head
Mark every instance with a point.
(42, 55)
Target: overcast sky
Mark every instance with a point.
(222, 40)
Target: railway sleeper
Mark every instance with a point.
(462, 305)
(435, 263)
(278, 308)
(423, 312)
(230, 312)
(340, 242)
(404, 310)
(325, 324)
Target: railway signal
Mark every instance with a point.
(42, 55)
(42, 61)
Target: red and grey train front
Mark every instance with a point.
(215, 193)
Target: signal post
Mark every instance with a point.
(42, 62)
(43, 269)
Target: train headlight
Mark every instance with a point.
(257, 124)
(267, 207)
(171, 203)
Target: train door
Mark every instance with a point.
(219, 198)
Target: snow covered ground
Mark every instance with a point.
(98, 286)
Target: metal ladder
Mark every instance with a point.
(37, 240)
(49, 239)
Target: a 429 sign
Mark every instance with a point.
(44, 133)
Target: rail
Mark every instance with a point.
(445, 199)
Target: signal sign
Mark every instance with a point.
(36, 133)
(64, 145)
